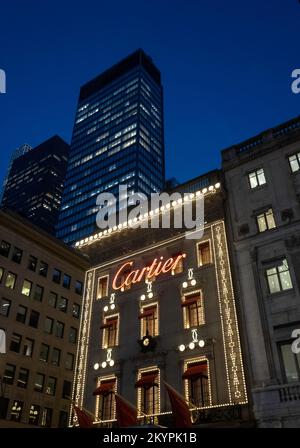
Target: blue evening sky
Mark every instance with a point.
(226, 68)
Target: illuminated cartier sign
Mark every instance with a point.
(158, 266)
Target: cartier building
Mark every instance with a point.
(159, 306)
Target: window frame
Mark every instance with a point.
(199, 258)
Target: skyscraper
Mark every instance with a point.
(35, 183)
(23, 149)
(118, 138)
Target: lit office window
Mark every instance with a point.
(16, 411)
(295, 162)
(1, 274)
(279, 278)
(26, 288)
(193, 310)
(266, 221)
(256, 178)
(204, 253)
(110, 332)
(46, 419)
(34, 414)
(102, 287)
(28, 347)
(149, 321)
(10, 280)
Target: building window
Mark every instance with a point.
(63, 419)
(59, 329)
(67, 390)
(149, 321)
(23, 378)
(51, 386)
(43, 269)
(1, 274)
(4, 307)
(69, 363)
(56, 276)
(197, 384)
(66, 281)
(102, 287)
(48, 328)
(39, 382)
(4, 248)
(256, 178)
(9, 374)
(290, 363)
(17, 255)
(62, 304)
(38, 293)
(204, 253)
(52, 299)
(46, 419)
(15, 344)
(106, 399)
(21, 314)
(34, 319)
(16, 411)
(10, 280)
(76, 310)
(73, 335)
(279, 278)
(26, 288)
(44, 353)
(78, 287)
(148, 392)
(110, 332)
(32, 263)
(295, 162)
(55, 358)
(28, 347)
(34, 414)
(266, 221)
(193, 310)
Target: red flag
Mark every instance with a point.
(84, 419)
(126, 413)
(180, 409)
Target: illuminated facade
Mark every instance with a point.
(178, 324)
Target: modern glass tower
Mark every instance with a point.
(35, 183)
(118, 138)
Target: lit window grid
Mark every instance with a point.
(139, 390)
(98, 287)
(107, 318)
(257, 178)
(279, 278)
(186, 381)
(199, 261)
(202, 311)
(237, 336)
(143, 324)
(99, 381)
(266, 221)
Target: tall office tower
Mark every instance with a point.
(17, 153)
(118, 138)
(35, 183)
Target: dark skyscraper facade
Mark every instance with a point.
(35, 183)
(118, 138)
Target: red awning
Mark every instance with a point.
(195, 371)
(190, 300)
(109, 323)
(147, 312)
(105, 388)
(147, 381)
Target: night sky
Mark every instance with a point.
(226, 68)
